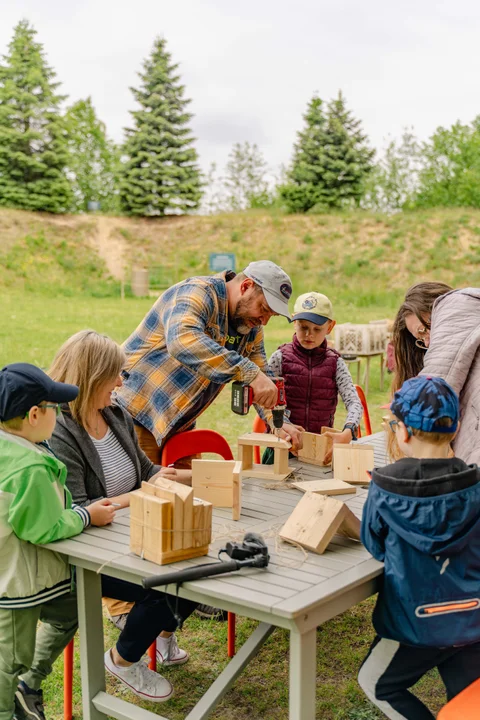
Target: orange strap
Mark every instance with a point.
(465, 605)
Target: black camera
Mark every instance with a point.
(251, 546)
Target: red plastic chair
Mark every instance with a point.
(463, 706)
(196, 442)
(68, 680)
(366, 415)
(260, 427)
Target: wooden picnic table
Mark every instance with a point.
(298, 591)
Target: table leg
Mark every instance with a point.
(227, 677)
(91, 640)
(358, 371)
(303, 672)
(382, 371)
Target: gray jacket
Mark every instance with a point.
(454, 354)
(72, 444)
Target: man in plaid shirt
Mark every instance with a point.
(201, 334)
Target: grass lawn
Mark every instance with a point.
(32, 328)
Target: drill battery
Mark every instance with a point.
(242, 396)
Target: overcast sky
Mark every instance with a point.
(251, 66)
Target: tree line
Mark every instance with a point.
(62, 160)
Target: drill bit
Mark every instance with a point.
(277, 417)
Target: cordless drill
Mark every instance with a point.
(242, 399)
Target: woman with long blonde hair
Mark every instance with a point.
(97, 440)
(98, 443)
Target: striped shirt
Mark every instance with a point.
(117, 466)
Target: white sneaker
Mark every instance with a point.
(140, 680)
(168, 652)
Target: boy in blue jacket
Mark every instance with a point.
(422, 519)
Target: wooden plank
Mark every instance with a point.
(302, 675)
(265, 472)
(245, 455)
(202, 522)
(325, 487)
(263, 440)
(314, 522)
(198, 522)
(91, 640)
(325, 429)
(174, 556)
(237, 491)
(136, 521)
(184, 538)
(351, 463)
(280, 461)
(157, 535)
(212, 480)
(177, 510)
(208, 513)
(350, 526)
(111, 706)
(333, 588)
(314, 449)
(176, 501)
(272, 577)
(258, 583)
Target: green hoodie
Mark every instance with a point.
(35, 509)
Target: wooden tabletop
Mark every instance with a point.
(297, 590)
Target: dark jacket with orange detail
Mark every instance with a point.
(422, 519)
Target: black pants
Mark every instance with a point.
(151, 614)
(391, 668)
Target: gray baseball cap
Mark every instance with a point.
(275, 283)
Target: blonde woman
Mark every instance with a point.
(95, 439)
(97, 442)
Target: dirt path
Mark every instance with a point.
(110, 246)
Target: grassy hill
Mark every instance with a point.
(359, 259)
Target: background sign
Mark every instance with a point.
(221, 261)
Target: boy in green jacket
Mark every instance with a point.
(35, 509)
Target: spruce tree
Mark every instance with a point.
(93, 163)
(160, 173)
(33, 149)
(331, 160)
(348, 159)
(305, 186)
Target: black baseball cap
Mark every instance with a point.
(23, 385)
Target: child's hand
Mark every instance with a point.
(101, 512)
(292, 434)
(343, 437)
(181, 476)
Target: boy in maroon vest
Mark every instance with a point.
(315, 374)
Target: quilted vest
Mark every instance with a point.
(310, 384)
(454, 355)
